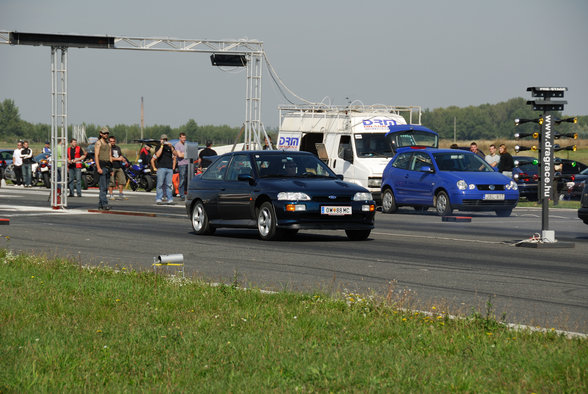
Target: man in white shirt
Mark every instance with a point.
(492, 158)
(17, 161)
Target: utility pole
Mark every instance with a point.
(142, 118)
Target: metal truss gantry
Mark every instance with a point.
(254, 132)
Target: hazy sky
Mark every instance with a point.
(420, 52)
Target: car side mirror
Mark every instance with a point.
(427, 169)
(340, 176)
(246, 177)
(348, 155)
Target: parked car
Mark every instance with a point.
(526, 175)
(574, 186)
(5, 160)
(279, 193)
(566, 186)
(583, 210)
(446, 179)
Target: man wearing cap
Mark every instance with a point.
(164, 162)
(103, 159)
(47, 149)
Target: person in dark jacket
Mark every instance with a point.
(506, 163)
(27, 164)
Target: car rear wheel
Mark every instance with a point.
(503, 213)
(358, 235)
(389, 202)
(200, 222)
(442, 204)
(267, 222)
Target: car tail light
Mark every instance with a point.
(573, 178)
(535, 177)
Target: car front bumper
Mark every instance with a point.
(311, 217)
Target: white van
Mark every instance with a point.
(351, 139)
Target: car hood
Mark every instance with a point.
(477, 177)
(310, 185)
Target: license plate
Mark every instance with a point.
(493, 196)
(43, 169)
(335, 210)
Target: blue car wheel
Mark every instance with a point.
(388, 202)
(442, 204)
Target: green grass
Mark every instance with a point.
(68, 328)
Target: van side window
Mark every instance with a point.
(344, 143)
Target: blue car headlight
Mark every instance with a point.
(362, 196)
(293, 196)
(462, 185)
(512, 186)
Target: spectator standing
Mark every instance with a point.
(17, 162)
(474, 149)
(183, 162)
(204, 153)
(145, 155)
(103, 159)
(506, 163)
(118, 174)
(492, 158)
(75, 157)
(164, 162)
(47, 148)
(27, 164)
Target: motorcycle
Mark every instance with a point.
(139, 176)
(90, 176)
(42, 170)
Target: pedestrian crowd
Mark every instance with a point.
(169, 162)
(501, 160)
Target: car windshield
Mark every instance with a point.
(412, 138)
(465, 162)
(372, 145)
(291, 165)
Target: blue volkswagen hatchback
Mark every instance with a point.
(446, 179)
(278, 193)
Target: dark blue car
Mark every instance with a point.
(278, 193)
(446, 179)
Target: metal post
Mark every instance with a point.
(59, 128)
(547, 175)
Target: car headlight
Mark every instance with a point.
(512, 186)
(374, 182)
(462, 185)
(293, 196)
(362, 196)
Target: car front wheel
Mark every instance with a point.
(503, 213)
(358, 235)
(388, 202)
(200, 222)
(443, 205)
(267, 222)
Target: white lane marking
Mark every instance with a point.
(35, 210)
(442, 238)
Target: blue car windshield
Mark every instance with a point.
(465, 162)
(291, 165)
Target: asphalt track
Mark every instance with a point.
(413, 258)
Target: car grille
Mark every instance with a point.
(481, 203)
(487, 187)
(338, 199)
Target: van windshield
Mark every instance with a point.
(372, 145)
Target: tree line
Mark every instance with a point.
(484, 122)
